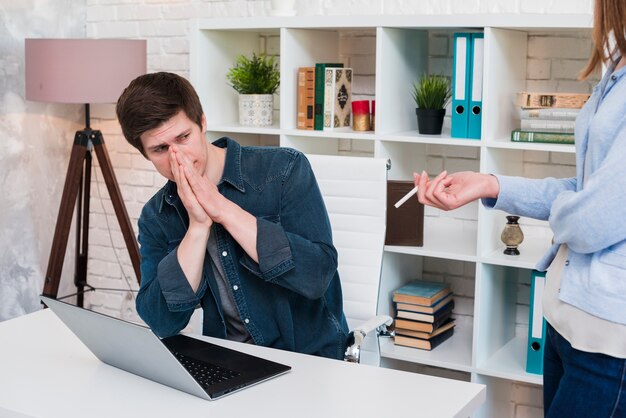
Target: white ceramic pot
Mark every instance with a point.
(283, 7)
(256, 109)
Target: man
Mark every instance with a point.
(240, 231)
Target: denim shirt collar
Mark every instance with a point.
(232, 172)
(232, 166)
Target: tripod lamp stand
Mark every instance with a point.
(83, 71)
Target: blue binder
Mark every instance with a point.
(475, 113)
(536, 324)
(461, 84)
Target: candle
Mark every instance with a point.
(361, 115)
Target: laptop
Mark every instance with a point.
(197, 367)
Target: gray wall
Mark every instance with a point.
(35, 142)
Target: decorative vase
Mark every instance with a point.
(430, 121)
(512, 235)
(256, 109)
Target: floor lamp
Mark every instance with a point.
(83, 71)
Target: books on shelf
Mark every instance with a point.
(529, 100)
(519, 135)
(423, 314)
(306, 98)
(337, 98)
(424, 344)
(320, 69)
(549, 114)
(420, 292)
(548, 125)
(410, 307)
(449, 323)
(420, 326)
(427, 317)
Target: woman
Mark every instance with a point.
(585, 296)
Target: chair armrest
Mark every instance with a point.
(357, 335)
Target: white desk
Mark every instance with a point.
(45, 371)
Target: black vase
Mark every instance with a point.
(430, 121)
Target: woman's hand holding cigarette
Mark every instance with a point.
(451, 191)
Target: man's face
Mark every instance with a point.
(182, 132)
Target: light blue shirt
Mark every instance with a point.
(590, 219)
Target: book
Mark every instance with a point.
(337, 98)
(423, 344)
(420, 292)
(318, 115)
(449, 323)
(551, 113)
(546, 100)
(548, 125)
(401, 306)
(405, 225)
(306, 98)
(426, 317)
(422, 326)
(518, 135)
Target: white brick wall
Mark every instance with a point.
(553, 62)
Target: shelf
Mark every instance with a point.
(531, 146)
(417, 138)
(455, 353)
(525, 21)
(341, 133)
(443, 240)
(240, 129)
(530, 254)
(509, 362)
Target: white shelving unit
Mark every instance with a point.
(484, 345)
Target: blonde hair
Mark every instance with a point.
(609, 21)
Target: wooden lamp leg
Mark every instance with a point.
(78, 186)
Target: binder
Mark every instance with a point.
(461, 84)
(536, 324)
(475, 113)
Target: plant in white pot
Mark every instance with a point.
(255, 79)
(432, 94)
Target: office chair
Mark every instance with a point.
(354, 190)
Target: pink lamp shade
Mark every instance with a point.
(82, 70)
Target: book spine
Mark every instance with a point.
(551, 100)
(306, 97)
(319, 97)
(320, 69)
(549, 114)
(518, 135)
(548, 125)
(343, 98)
(329, 98)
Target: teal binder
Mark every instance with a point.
(475, 113)
(536, 324)
(461, 84)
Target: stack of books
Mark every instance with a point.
(324, 97)
(423, 314)
(548, 117)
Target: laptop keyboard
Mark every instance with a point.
(206, 374)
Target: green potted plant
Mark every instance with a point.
(431, 94)
(255, 79)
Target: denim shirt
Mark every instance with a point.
(586, 212)
(291, 299)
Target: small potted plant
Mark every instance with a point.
(255, 79)
(432, 94)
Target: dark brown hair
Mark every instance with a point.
(152, 99)
(609, 17)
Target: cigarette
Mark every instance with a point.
(406, 197)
